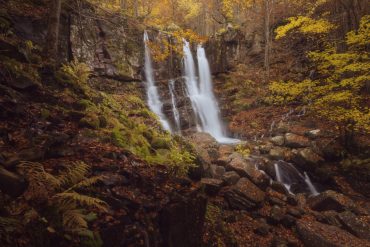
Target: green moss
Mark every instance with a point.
(90, 121)
(161, 143)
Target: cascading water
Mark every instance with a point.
(203, 101)
(310, 185)
(176, 115)
(154, 101)
(288, 175)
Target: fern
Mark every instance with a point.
(83, 200)
(74, 174)
(86, 183)
(74, 220)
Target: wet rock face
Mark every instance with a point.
(232, 47)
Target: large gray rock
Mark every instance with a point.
(315, 234)
(244, 195)
(296, 141)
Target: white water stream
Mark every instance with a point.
(288, 175)
(176, 115)
(201, 95)
(154, 102)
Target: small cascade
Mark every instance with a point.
(176, 115)
(154, 102)
(200, 92)
(310, 184)
(292, 179)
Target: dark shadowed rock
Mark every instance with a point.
(211, 185)
(355, 225)
(315, 234)
(279, 187)
(329, 200)
(244, 195)
(11, 183)
(276, 214)
(231, 177)
(296, 141)
(277, 153)
(181, 223)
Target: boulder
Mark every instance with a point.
(230, 178)
(315, 234)
(245, 168)
(278, 140)
(277, 153)
(244, 195)
(307, 158)
(217, 171)
(355, 225)
(330, 200)
(205, 145)
(211, 185)
(296, 141)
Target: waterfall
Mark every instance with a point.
(154, 101)
(201, 95)
(288, 175)
(176, 115)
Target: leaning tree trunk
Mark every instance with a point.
(51, 46)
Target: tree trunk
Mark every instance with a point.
(51, 46)
(267, 40)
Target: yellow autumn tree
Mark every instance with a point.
(341, 95)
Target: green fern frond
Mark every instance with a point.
(83, 200)
(74, 173)
(74, 219)
(85, 183)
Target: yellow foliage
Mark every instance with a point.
(305, 25)
(339, 95)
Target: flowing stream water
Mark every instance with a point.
(154, 102)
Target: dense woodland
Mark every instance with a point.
(102, 142)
